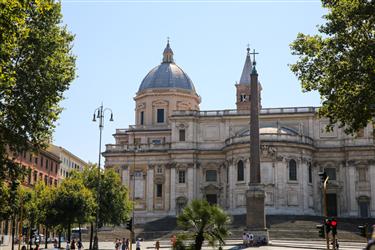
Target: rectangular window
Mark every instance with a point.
(182, 134)
(331, 172)
(160, 116)
(156, 141)
(46, 163)
(181, 176)
(30, 157)
(310, 173)
(29, 176)
(142, 117)
(36, 160)
(159, 190)
(35, 176)
(211, 175)
(41, 161)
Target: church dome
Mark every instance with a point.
(167, 75)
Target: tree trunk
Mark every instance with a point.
(91, 234)
(46, 239)
(59, 239)
(69, 232)
(199, 241)
(13, 230)
(80, 233)
(30, 236)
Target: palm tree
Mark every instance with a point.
(203, 221)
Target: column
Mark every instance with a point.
(190, 183)
(231, 186)
(372, 189)
(150, 188)
(351, 194)
(173, 190)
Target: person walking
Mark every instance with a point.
(117, 244)
(251, 239)
(73, 245)
(157, 245)
(123, 245)
(127, 244)
(138, 245)
(79, 245)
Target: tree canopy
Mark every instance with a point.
(203, 221)
(340, 63)
(36, 67)
(114, 204)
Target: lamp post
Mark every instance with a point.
(324, 177)
(99, 114)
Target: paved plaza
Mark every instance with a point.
(235, 245)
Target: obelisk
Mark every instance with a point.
(255, 195)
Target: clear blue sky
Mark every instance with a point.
(118, 42)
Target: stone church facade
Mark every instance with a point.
(175, 153)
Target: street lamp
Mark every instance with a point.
(324, 178)
(99, 114)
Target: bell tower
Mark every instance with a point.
(243, 90)
(243, 87)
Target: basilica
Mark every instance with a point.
(176, 152)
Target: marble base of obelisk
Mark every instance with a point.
(255, 216)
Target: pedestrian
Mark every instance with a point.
(251, 239)
(157, 245)
(123, 245)
(117, 244)
(127, 244)
(67, 245)
(73, 245)
(244, 239)
(55, 243)
(79, 245)
(173, 241)
(138, 245)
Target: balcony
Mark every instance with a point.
(273, 137)
(235, 112)
(116, 148)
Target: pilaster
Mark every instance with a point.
(150, 189)
(173, 189)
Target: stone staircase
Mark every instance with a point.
(280, 227)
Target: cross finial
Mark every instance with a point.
(168, 39)
(254, 53)
(248, 47)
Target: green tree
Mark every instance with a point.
(340, 63)
(71, 202)
(113, 200)
(36, 67)
(203, 221)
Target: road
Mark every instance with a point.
(234, 245)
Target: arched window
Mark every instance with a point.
(292, 170)
(240, 171)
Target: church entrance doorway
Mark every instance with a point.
(332, 205)
(211, 198)
(363, 204)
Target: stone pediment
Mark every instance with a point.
(211, 187)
